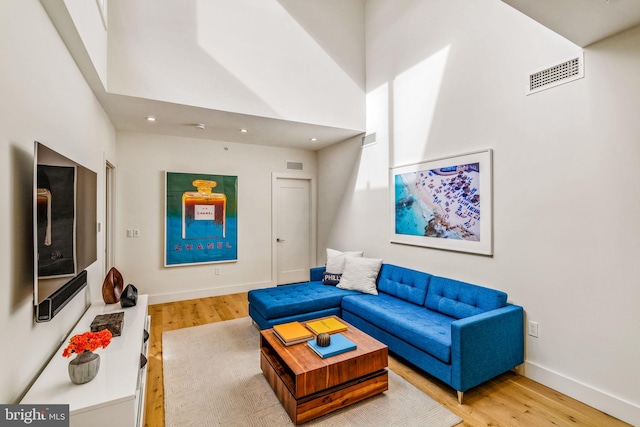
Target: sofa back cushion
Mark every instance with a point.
(459, 299)
(409, 285)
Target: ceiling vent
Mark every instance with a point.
(565, 72)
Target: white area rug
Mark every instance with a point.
(212, 377)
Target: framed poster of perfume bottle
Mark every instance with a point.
(201, 212)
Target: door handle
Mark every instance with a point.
(279, 240)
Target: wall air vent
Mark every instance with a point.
(369, 139)
(556, 75)
(297, 166)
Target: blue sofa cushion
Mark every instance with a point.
(410, 285)
(424, 329)
(290, 300)
(460, 299)
(316, 273)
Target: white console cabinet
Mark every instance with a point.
(115, 397)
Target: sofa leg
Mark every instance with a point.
(460, 394)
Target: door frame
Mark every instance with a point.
(274, 220)
(109, 215)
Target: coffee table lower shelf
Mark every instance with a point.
(307, 408)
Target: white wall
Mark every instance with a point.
(445, 78)
(88, 21)
(44, 98)
(143, 161)
(442, 78)
(338, 163)
(295, 60)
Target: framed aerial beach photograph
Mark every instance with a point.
(444, 203)
(201, 218)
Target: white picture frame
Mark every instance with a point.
(445, 203)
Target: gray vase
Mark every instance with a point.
(84, 367)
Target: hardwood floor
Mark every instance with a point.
(508, 400)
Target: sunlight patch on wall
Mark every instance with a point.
(401, 114)
(274, 57)
(415, 96)
(374, 159)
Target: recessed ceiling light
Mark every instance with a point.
(151, 119)
(313, 139)
(244, 130)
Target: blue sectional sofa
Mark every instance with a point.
(460, 333)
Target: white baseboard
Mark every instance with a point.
(204, 293)
(609, 404)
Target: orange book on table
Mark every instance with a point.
(293, 332)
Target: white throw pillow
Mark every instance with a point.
(335, 260)
(360, 274)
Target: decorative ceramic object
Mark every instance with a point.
(84, 367)
(112, 286)
(112, 321)
(129, 297)
(323, 339)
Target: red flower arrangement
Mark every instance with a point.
(89, 341)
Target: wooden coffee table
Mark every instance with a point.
(309, 386)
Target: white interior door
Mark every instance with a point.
(293, 230)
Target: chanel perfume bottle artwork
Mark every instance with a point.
(55, 207)
(203, 212)
(201, 218)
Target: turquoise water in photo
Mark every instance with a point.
(410, 217)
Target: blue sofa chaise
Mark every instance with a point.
(460, 333)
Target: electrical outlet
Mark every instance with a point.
(217, 271)
(532, 328)
(136, 232)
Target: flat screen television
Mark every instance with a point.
(64, 229)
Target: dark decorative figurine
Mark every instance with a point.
(129, 297)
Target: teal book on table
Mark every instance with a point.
(339, 344)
